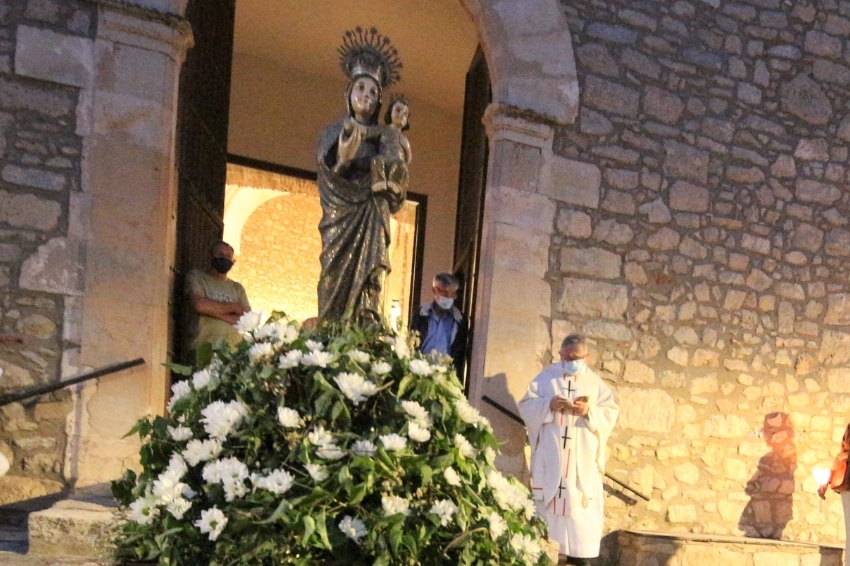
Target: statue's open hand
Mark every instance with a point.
(349, 143)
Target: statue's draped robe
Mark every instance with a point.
(355, 230)
(568, 456)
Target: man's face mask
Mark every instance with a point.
(445, 303)
(222, 264)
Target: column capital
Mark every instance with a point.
(142, 26)
(504, 122)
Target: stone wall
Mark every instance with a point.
(40, 168)
(701, 240)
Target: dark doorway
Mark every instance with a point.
(470, 194)
(202, 118)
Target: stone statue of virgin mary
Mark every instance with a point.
(355, 225)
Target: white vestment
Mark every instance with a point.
(568, 456)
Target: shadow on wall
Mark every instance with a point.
(771, 489)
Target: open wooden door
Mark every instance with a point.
(202, 119)
(470, 194)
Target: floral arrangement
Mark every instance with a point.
(324, 446)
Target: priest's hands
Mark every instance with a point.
(560, 404)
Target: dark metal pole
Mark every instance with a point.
(516, 418)
(44, 388)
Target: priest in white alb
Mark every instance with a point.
(569, 413)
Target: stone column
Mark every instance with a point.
(511, 342)
(125, 217)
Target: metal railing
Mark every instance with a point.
(43, 389)
(516, 418)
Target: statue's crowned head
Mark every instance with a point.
(367, 53)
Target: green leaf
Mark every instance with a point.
(405, 382)
(309, 529)
(203, 355)
(179, 368)
(322, 530)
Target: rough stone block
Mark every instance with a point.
(685, 162)
(50, 56)
(649, 410)
(604, 330)
(526, 18)
(610, 97)
(38, 98)
(838, 311)
(688, 197)
(596, 58)
(17, 488)
(829, 72)
(593, 298)
(638, 372)
(591, 262)
(619, 202)
(517, 166)
(726, 426)
(574, 182)
(808, 190)
(664, 240)
(805, 99)
(662, 105)
(34, 177)
(29, 211)
(73, 528)
(55, 268)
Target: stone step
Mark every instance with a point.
(15, 559)
(73, 529)
(638, 548)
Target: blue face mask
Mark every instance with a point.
(573, 367)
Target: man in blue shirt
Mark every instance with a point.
(441, 325)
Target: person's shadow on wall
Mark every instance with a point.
(771, 489)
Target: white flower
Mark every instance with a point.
(178, 391)
(453, 390)
(317, 358)
(402, 349)
(201, 450)
(353, 528)
(529, 509)
(260, 352)
(452, 477)
(489, 455)
(467, 412)
(200, 379)
(177, 466)
(466, 449)
(359, 356)
(220, 418)
(444, 509)
(526, 547)
(418, 433)
(249, 322)
(278, 482)
(420, 367)
(355, 387)
(330, 452)
(289, 360)
(230, 473)
(317, 472)
(180, 433)
(498, 526)
(143, 510)
(287, 334)
(508, 495)
(363, 448)
(288, 417)
(268, 330)
(393, 441)
(394, 505)
(320, 437)
(381, 368)
(418, 412)
(167, 487)
(212, 521)
(314, 346)
(178, 507)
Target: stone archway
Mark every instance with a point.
(530, 58)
